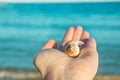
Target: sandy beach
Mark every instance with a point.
(107, 77)
(17, 74)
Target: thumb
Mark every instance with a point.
(50, 44)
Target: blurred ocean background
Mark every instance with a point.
(24, 28)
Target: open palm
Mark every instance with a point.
(55, 65)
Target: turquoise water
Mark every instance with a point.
(24, 28)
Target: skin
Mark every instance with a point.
(53, 64)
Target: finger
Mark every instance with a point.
(91, 43)
(85, 35)
(77, 33)
(68, 36)
(50, 44)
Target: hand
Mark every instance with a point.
(53, 64)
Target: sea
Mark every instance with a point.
(25, 27)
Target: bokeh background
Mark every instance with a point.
(24, 28)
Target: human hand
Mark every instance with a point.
(53, 64)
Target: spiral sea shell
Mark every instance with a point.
(73, 47)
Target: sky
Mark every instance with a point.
(44, 1)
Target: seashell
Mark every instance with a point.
(73, 47)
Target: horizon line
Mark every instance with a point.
(59, 1)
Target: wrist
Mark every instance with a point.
(61, 74)
(54, 74)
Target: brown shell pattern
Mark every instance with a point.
(73, 47)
